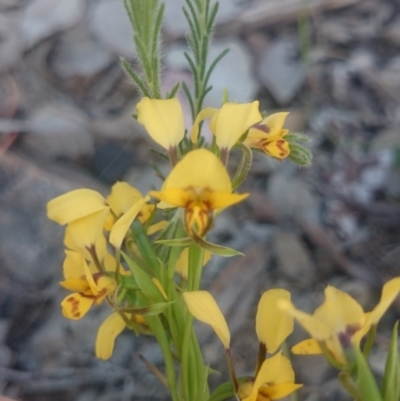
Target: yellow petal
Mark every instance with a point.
(199, 168)
(74, 205)
(88, 275)
(272, 324)
(163, 120)
(108, 332)
(104, 257)
(154, 228)
(222, 199)
(106, 283)
(73, 266)
(76, 305)
(307, 347)
(203, 307)
(276, 369)
(278, 148)
(75, 284)
(278, 391)
(86, 231)
(122, 197)
(172, 196)
(390, 291)
(205, 113)
(274, 124)
(158, 284)
(122, 225)
(232, 121)
(145, 212)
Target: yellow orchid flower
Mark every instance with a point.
(340, 322)
(91, 287)
(200, 184)
(275, 377)
(163, 120)
(228, 123)
(274, 380)
(268, 136)
(75, 205)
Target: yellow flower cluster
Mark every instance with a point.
(199, 182)
(274, 377)
(89, 269)
(164, 122)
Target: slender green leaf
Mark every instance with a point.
(213, 14)
(189, 97)
(194, 33)
(366, 384)
(195, 17)
(214, 63)
(176, 241)
(173, 91)
(214, 248)
(144, 281)
(391, 378)
(139, 83)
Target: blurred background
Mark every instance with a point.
(65, 123)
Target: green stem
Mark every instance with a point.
(157, 328)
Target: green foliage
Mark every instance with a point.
(391, 378)
(146, 18)
(200, 15)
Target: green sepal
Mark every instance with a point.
(144, 281)
(367, 388)
(296, 137)
(150, 310)
(176, 241)
(391, 378)
(244, 165)
(299, 154)
(214, 248)
(223, 392)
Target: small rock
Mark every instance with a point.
(144, 179)
(58, 130)
(293, 259)
(11, 46)
(291, 197)
(392, 32)
(110, 23)
(79, 55)
(281, 71)
(43, 18)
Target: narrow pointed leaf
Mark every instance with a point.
(391, 378)
(214, 248)
(367, 387)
